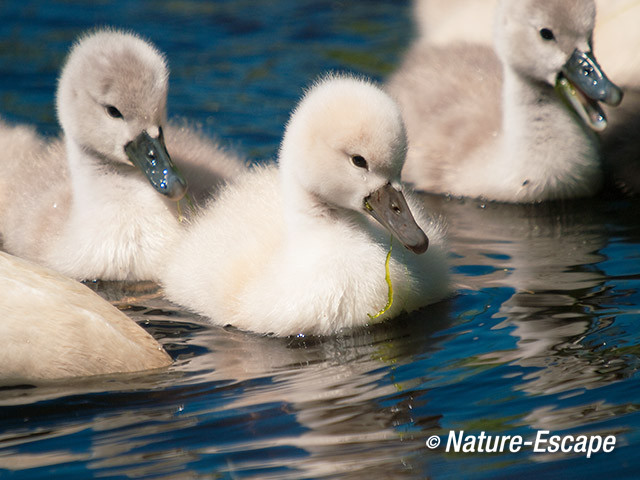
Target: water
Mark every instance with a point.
(542, 333)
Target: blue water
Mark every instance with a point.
(543, 333)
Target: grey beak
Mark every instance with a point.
(389, 207)
(583, 71)
(150, 155)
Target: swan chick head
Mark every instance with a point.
(344, 146)
(111, 102)
(550, 41)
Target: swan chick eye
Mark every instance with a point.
(547, 34)
(359, 161)
(113, 111)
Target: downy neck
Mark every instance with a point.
(305, 212)
(97, 187)
(545, 147)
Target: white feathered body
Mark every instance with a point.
(110, 226)
(477, 131)
(248, 268)
(54, 327)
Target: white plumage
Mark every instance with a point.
(79, 204)
(292, 250)
(493, 124)
(54, 327)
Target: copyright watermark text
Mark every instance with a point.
(544, 442)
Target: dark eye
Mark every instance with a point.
(547, 34)
(113, 111)
(359, 161)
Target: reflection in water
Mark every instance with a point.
(551, 256)
(547, 254)
(362, 403)
(320, 402)
(533, 248)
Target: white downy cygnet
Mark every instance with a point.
(101, 202)
(515, 125)
(295, 249)
(54, 327)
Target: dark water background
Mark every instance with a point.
(543, 333)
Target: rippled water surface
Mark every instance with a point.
(543, 333)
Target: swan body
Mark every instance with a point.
(101, 201)
(294, 249)
(54, 327)
(497, 125)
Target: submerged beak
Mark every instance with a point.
(150, 155)
(388, 206)
(583, 84)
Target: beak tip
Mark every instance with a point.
(177, 191)
(419, 247)
(615, 96)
